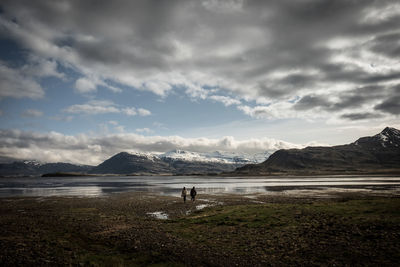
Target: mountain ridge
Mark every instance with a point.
(32, 167)
(379, 153)
(372, 154)
(175, 162)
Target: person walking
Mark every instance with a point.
(193, 193)
(184, 193)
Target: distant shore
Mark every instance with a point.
(236, 174)
(300, 173)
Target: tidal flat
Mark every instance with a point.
(145, 229)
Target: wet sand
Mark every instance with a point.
(141, 229)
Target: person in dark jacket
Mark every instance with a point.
(193, 193)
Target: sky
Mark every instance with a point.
(83, 80)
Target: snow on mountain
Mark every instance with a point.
(389, 136)
(183, 155)
(32, 163)
(216, 156)
(149, 156)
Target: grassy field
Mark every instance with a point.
(120, 231)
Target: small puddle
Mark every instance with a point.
(202, 206)
(159, 215)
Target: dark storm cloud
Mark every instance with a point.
(390, 105)
(388, 44)
(311, 101)
(359, 96)
(348, 100)
(275, 50)
(360, 116)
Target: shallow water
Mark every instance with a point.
(171, 185)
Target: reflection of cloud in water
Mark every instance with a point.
(83, 191)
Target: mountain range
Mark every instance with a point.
(32, 167)
(374, 154)
(177, 162)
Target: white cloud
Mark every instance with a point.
(227, 101)
(158, 87)
(282, 110)
(32, 113)
(144, 112)
(89, 84)
(84, 85)
(95, 107)
(133, 111)
(130, 111)
(84, 149)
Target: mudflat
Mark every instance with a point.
(142, 229)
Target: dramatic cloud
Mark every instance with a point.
(361, 116)
(39, 67)
(268, 51)
(14, 84)
(391, 105)
(95, 107)
(84, 149)
(22, 82)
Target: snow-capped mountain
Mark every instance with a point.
(389, 137)
(173, 162)
(216, 156)
(128, 163)
(176, 162)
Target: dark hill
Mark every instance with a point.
(125, 163)
(375, 154)
(21, 168)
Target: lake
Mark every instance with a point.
(171, 185)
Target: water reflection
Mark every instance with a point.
(87, 191)
(171, 185)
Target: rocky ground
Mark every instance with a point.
(141, 229)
